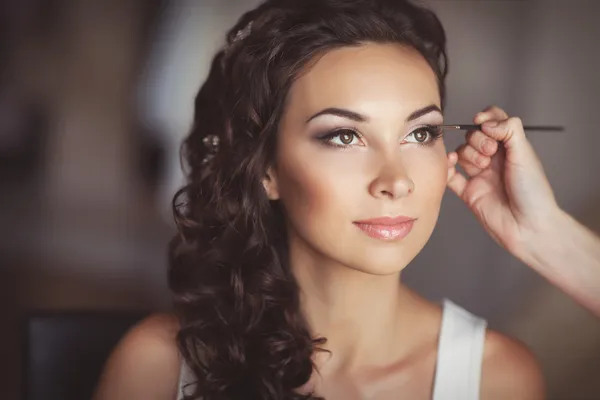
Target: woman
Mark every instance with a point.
(316, 174)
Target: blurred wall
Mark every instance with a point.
(87, 233)
(81, 232)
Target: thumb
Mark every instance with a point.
(511, 134)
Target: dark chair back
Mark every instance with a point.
(65, 351)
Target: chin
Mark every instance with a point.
(391, 267)
(381, 261)
(385, 258)
(380, 270)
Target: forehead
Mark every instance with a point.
(367, 76)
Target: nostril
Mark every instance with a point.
(387, 193)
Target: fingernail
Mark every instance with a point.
(490, 124)
(488, 145)
(481, 161)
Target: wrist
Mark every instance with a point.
(567, 254)
(543, 245)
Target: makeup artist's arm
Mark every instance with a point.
(508, 191)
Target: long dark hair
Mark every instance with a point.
(242, 333)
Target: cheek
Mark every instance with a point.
(317, 188)
(303, 190)
(429, 172)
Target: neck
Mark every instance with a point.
(356, 312)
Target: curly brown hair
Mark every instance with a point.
(242, 331)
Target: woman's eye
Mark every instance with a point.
(344, 137)
(421, 135)
(424, 136)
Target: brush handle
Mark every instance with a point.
(466, 127)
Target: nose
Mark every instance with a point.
(392, 181)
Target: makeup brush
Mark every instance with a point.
(466, 127)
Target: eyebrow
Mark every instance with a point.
(340, 112)
(354, 116)
(423, 111)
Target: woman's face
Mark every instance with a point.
(354, 146)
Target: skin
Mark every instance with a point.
(349, 281)
(382, 336)
(508, 191)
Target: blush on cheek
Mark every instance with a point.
(301, 192)
(429, 175)
(426, 162)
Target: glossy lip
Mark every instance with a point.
(386, 221)
(386, 228)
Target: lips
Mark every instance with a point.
(386, 228)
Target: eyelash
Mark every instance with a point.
(435, 132)
(327, 137)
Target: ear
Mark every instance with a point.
(270, 184)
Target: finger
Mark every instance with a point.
(457, 182)
(470, 169)
(482, 143)
(492, 113)
(468, 153)
(452, 159)
(509, 131)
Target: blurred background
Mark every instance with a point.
(95, 98)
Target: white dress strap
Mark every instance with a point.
(186, 381)
(460, 355)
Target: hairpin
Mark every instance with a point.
(239, 36)
(211, 142)
(243, 33)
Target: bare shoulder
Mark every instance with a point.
(510, 370)
(145, 364)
